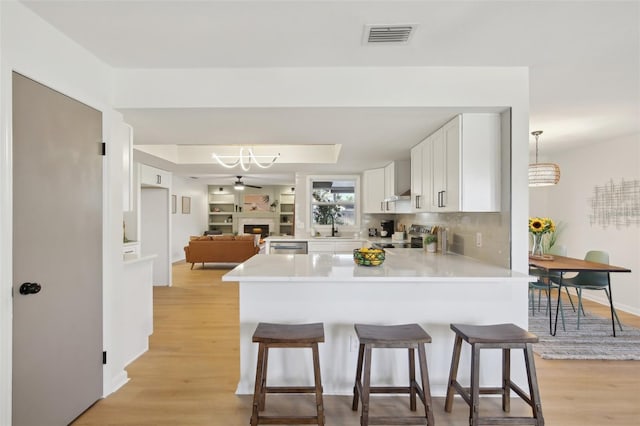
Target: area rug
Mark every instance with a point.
(594, 340)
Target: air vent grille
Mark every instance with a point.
(388, 33)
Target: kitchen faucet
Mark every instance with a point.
(333, 228)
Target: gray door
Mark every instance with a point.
(57, 244)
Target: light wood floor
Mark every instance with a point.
(189, 375)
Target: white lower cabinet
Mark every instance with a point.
(131, 249)
(333, 247)
(347, 247)
(320, 247)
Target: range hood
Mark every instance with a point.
(397, 177)
(404, 196)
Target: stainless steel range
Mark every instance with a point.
(392, 244)
(416, 237)
(417, 233)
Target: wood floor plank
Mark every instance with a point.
(189, 375)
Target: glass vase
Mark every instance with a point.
(536, 248)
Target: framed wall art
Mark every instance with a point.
(186, 205)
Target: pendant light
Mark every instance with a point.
(245, 159)
(543, 174)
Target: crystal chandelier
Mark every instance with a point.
(245, 159)
(543, 174)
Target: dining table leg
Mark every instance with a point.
(549, 306)
(613, 322)
(555, 327)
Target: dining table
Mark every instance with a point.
(564, 264)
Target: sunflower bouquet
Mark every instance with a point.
(538, 228)
(541, 225)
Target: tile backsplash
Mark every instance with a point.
(463, 228)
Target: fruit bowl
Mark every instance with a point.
(368, 256)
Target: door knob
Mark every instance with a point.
(30, 288)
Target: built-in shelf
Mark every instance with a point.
(222, 211)
(287, 213)
(227, 211)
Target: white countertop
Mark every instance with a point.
(297, 238)
(288, 238)
(408, 265)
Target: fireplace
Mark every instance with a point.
(262, 229)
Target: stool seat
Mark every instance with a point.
(497, 333)
(497, 336)
(407, 336)
(268, 336)
(397, 335)
(289, 333)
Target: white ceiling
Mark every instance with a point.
(584, 60)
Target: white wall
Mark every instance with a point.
(568, 203)
(155, 231)
(185, 225)
(33, 48)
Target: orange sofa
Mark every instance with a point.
(221, 249)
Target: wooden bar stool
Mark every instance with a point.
(499, 336)
(286, 336)
(410, 336)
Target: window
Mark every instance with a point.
(334, 200)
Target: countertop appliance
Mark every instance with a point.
(293, 247)
(417, 233)
(387, 228)
(392, 244)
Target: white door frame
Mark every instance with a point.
(111, 225)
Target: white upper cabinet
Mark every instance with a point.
(422, 175)
(397, 181)
(150, 176)
(381, 186)
(457, 168)
(446, 156)
(417, 195)
(373, 193)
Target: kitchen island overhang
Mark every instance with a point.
(409, 287)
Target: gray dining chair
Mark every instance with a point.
(591, 281)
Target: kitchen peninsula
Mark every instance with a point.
(411, 286)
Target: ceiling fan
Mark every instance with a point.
(239, 185)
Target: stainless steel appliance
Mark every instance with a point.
(417, 233)
(416, 237)
(391, 244)
(387, 228)
(292, 247)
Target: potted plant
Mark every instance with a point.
(430, 242)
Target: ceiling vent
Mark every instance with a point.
(388, 34)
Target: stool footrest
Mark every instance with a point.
(289, 389)
(463, 392)
(507, 421)
(397, 420)
(521, 393)
(389, 389)
(286, 420)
